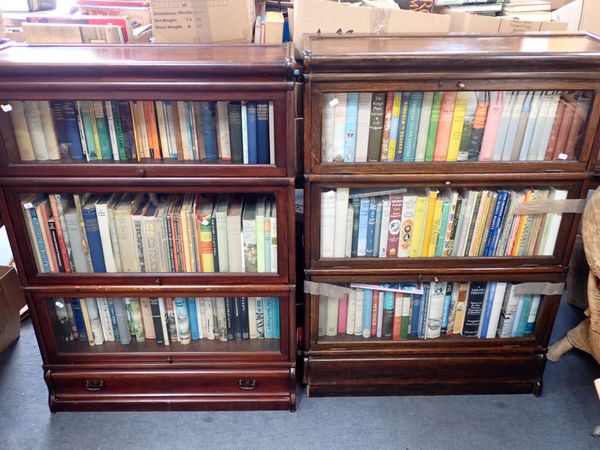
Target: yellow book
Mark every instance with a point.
(521, 228)
(394, 126)
(187, 238)
(95, 129)
(461, 308)
(204, 234)
(431, 203)
(416, 242)
(435, 226)
(480, 221)
(458, 121)
(86, 321)
(136, 132)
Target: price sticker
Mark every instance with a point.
(334, 102)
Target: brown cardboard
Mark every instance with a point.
(11, 302)
(582, 15)
(462, 22)
(323, 16)
(184, 22)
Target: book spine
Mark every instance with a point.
(433, 125)
(367, 313)
(412, 126)
(78, 318)
(252, 133)
(136, 323)
(479, 123)
(395, 121)
(55, 245)
(402, 124)
(363, 120)
(156, 320)
(36, 130)
(376, 126)
(473, 308)
(126, 121)
(21, 131)
(112, 130)
(388, 314)
(351, 124)
(339, 126)
(442, 139)
(386, 128)
(193, 318)
(327, 125)
(93, 237)
(183, 321)
(57, 116)
(97, 108)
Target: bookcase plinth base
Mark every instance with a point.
(349, 376)
(182, 390)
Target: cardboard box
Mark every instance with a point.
(462, 22)
(202, 22)
(11, 302)
(582, 15)
(322, 16)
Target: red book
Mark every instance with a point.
(342, 313)
(581, 110)
(59, 232)
(397, 323)
(151, 129)
(375, 310)
(395, 225)
(565, 130)
(492, 123)
(554, 134)
(444, 126)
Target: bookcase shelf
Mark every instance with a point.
(117, 166)
(396, 118)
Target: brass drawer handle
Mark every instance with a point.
(247, 385)
(94, 385)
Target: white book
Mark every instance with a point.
(209, 318)
(104, 228)
(95, 323)
(362, 128)
(542, 144)
(505, 118)
(349, 225)
(351, 314)
(21, 130)
(464, 221)
(244, 133)
(383, 230)
(358, 311)
(496, 309)
(339, 126)
(508, 312)
(511, 132)
(322, 322)
(380, 315)
(274, 253)
(437, 298)
(423, 126)
(234, 233)
(332, 316)
(530, 128)
(113, 132)
(200, 317)
(114, 240)
(82, 130)
(552, 225)
(409, 203)
(163, 321)
(252, 318)
(49, 131)
(124, 226)
(327, 128)
(163, 129)
(541, 125)
(463, 152)
(36, 130)
(517, 316)
(105, 319)
(223, 131)
(340, 224)
(271, 133)
(222, 318)
(184, 131)
(328, 223)
(535, 306)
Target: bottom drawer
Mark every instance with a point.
(424, 375)
(170, 390)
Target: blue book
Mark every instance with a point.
(121, 315)
(191, 132)
(535, 304)
(268, 304)
(524, 315)
(351, 124)
(262, 132)
(251, 132)
(37, 229)
(417, 299)
(367, 312)
(402, 122)
(78, 318)
(276, 320)
(71, 130)
(193, 318)
(447, 303)
(372, 218)
(84, 111)
(209, 129)
(56, 108)
(363, 224)
(439, 246)
(517, 316)
(113, 319)
(487, 311)
(388, 314)
(90, 221)
(412, 126)
(395, 121)
(423, 312)
(494, 233)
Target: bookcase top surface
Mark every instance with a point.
(533, 51)
(140, 60)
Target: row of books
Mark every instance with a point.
(430, 310)
(166, 320)
(452, 126)
(431, 223)
(152, 233)
(210, 132)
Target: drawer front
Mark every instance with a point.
(160, 383)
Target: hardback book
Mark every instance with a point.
(339, 126)
(262, 133)
(93, 234)
(359, 311)
(442, 139)
(418, 230)
(224, 143)
(424, 121)
(457, 125)
(332, 316)
(327, 125)
(467, 129)
(351, 314)
(413, 117)
(367, 312)
(536, 103)
(474, 306)
(251, 132)
(249, 235)
(260, 234)
(340, 225)
(342, 313)
(407, 222)
(328, 207)
(433, 125)
(388, 314)
(36, 130)
(402, 125)
(437, 296)
(428, 223)
(494, 116)
(394, 125)
(48, 128)
(234, 112)
(479, 125)
(21, 131)
(234, 230)
(363, 120)
(394, 229)
(387, 124)
(376, 118)
(505, 119)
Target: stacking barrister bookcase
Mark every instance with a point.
(148, 196)
(443, 184)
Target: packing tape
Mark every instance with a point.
(332, 290)
(538, 288)
(328, 290)
(379, 20)
(575, 205)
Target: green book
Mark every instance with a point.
(83, 108)
(439, 247)
(102, 129)
(114, 106)
(433, 125)
(527, 301)
(356, 206)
